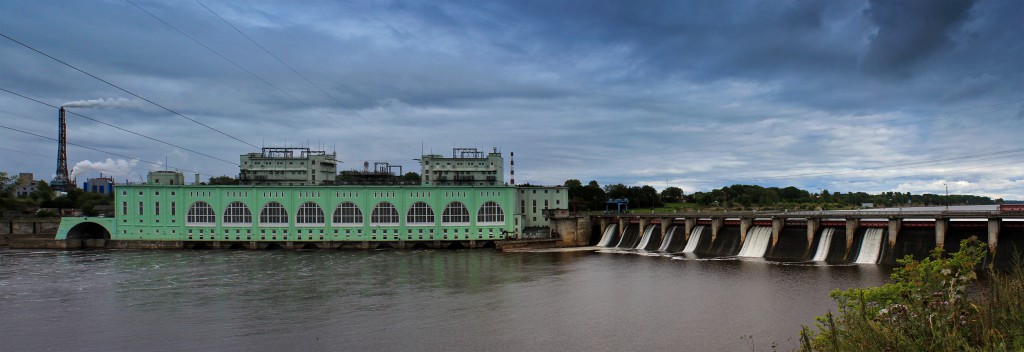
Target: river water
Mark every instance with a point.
(434, 300)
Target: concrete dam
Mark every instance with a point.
(838, 237)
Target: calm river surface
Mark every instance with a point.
(434, 300)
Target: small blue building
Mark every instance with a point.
(104, 185)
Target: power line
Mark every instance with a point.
(279, 60)
(119, 128)
(99, 150)
(124, 90)
(27, 153)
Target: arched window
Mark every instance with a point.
(274, 214)
(309, 214)
(200, 213)
(384, 213)
(237, 214)
(420, 213)
(490, 213)
(348, 214)
(455, 213)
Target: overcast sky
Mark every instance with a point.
(873, 96)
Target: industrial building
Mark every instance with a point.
(104, 185)
(26, 184)
(286, 196)
(287, 167)
(466, 167)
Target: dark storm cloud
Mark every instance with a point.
(909, 32)
(690, 93)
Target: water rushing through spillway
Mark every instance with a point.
(870, 246)
(609, 234)
(823, 244)
(648, 233)
(691, 245)
(758, 239)
(668, 239)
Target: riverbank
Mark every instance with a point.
(935, 304)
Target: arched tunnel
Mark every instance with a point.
(88, 235)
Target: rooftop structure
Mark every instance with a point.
(169, 178)
(287, 167)
(466, 167)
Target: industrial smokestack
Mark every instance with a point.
(61, 181)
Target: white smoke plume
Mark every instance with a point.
(110, 167)
(105, 103)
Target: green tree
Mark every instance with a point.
(222, 180)
(43, 192)
(411, 177)
(672, 195)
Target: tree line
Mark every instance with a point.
(592, 196)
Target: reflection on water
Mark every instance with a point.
(402, 300)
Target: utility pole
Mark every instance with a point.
(947, 197)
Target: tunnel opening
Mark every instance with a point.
(384, 246)
(420, 246)
(88, 235)
(489, 244)
(273, 247)
(199, 246)
(595, 234)
(310, 246)
(456, 245)
(237, 247)
(914, 241)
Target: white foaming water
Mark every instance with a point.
(668, 239)
(694, 239)
(648, 233)
(823, 244)
(757, 241)
(870, 246)
(609, 233)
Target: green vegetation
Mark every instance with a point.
(45, 197)
(936, 304)
(749, 197)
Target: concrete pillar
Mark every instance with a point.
(665, 224)
(584, 230)
(777, 225)
(894, 230)
(851, 229)
(993, 235)
(690, 223)
(812, 229)
(604, 222)
(941, 226)
(745, 224)
(716, 224)
(622, 226)
(643, 225)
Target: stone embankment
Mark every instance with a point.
(30, 233)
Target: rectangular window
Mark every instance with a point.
(156, 208)
(140, 208)
(124, 208)
(172, 209)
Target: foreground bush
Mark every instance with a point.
(935, 304)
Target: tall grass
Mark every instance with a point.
(935, 304)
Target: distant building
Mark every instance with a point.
(466, 167)
(104, 185)
(287, 167)
(165, 178)
(26, 184)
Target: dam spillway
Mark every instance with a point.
(833, 237)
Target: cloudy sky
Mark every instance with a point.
(872, 96)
